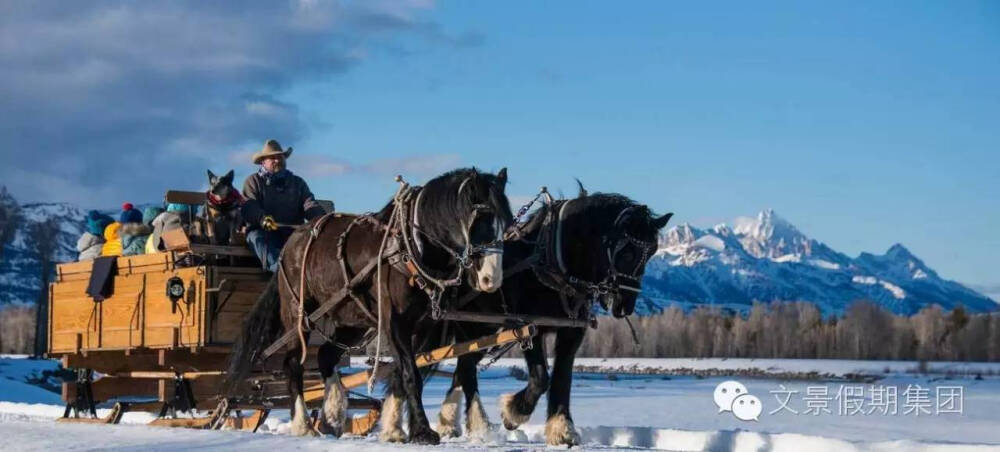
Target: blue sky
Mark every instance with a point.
(863, 124)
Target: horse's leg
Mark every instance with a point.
(401, 334)
(559, 428)
(334, 396)
(300, 414)
(450, 417)
(516, 409)
(477, 423)
(392, 411)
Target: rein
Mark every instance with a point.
(551, 268)
(398, 248)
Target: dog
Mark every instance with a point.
(222, 209)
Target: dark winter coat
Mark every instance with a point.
(284, 196)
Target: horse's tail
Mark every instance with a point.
(260, 329)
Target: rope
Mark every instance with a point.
(300, 326)
(378, 285)
(635, 337)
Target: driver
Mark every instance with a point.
(276, 201)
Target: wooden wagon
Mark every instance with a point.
(160, 342)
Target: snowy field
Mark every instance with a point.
(936, 411)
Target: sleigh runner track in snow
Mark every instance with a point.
(160, 337)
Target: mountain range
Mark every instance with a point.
(766, 259)
(755, 259)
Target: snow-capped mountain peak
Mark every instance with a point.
(766, 258)
(771, 236)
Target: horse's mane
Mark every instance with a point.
(447, 204)
(605, 206)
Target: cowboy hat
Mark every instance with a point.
(271, 148)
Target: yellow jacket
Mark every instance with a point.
(112, 241)
(150, 247)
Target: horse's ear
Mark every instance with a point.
(583, 191)
(502, 178)
(211, 177)
(659, 223)
(228, 178)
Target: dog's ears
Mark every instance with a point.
(228, 178)
(212, 178)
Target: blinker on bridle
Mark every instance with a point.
(614, 242)
(470, 251)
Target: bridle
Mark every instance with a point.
(469, 252)
(549, 250)
(410, 233)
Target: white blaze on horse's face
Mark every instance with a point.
(490, 274)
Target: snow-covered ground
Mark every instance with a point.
(635, 411)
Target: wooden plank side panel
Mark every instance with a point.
(141, 263)
(73, 315)
(121, 315)
(166, 327)
(228, 322)
(238, 290)
(108, 388)
(145, 263)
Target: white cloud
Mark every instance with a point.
(143, 96)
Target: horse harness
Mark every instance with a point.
(547, 262)
(402, 251)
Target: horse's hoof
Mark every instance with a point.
(512, 419)
(392, 436)
(328, 428)
(304, 431)
(449, 431)
(559, 431)
(427, 437)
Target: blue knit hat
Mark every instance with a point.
(175, 207)
(129, 214)
(150, 213)
(96, 222)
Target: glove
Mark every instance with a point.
(268, 223)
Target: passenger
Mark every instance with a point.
(112, 241)
(133, 232)
(90, 243)
(175, 217)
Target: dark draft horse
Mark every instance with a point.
(587, 250)
(455, 221)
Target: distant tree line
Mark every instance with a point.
(16, 321)
(798, 330)
(17, 329)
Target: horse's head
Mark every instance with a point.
(471, 220)
(608, 243)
